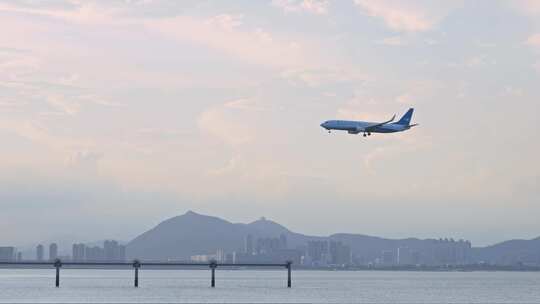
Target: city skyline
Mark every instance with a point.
(191, 237)
(117, 114)
(68, 242)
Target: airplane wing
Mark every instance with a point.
(373, 126)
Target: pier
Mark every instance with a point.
(136, 265)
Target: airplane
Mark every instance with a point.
(355, 127)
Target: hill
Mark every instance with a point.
(510, 253)
(192, 234)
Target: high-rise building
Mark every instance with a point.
(283, 241)
(94, 254)
(53, 252)
(114, 251)
(450, 252)
(339, 254)
(19, 256)
(268, 245)
(387, 257)
(220, 255)
(39, 253)
(404, 256)
(78, 252)
(7, 254)
(248, 245)
(121, 253)
(318, 251)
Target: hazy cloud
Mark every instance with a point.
(318, 7)
(407, 16)
(133, 111)
(534, 41)
(393, 41)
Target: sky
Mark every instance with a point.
(116, 115)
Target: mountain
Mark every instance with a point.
(267, 226)
(510, 252)
(192, 234)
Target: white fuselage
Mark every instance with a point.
(355, 127)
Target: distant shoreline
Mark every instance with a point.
(466, 268)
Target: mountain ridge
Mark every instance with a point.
(193, 233)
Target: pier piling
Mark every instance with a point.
(213, 266)
(289, 263)
(136, 265)
(57, 265)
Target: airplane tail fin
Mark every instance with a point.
(406, 119)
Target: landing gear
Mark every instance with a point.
(365, 134)
(329, 131)
(369, 133)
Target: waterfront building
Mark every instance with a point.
(78, 252)
(248, 244)
(7, 254)
(53, 252)
(39, 253)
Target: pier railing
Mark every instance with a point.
(136, 265)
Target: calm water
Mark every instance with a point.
(269, 286)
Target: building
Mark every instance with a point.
(248, 244)
(7, 254)
(388, 258)
(78, 252)
(450, 252)
(203, 258)
(220, 255)
(267, 245)
(339, 254)
(93, 254)
(39, 253)
(114, 251)
(404, 256)
(53, 252)
(230, 258)
(318, 252)
(19, 256)
(283, 241)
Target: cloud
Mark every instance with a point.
(513, 91)
(16, 65)
(223, 123)
(393, 41)
(246, 104)
(317, 7)
(405, 99)
(534, 41)
(61, 103)
(37, 133)
(224, 33)
(351, 113)
(475, 61)
(420, 91)
(526, 7)
(315, 77)
(408, 16)
(84, 161)
(81, 13)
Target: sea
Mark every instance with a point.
(267, 286)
